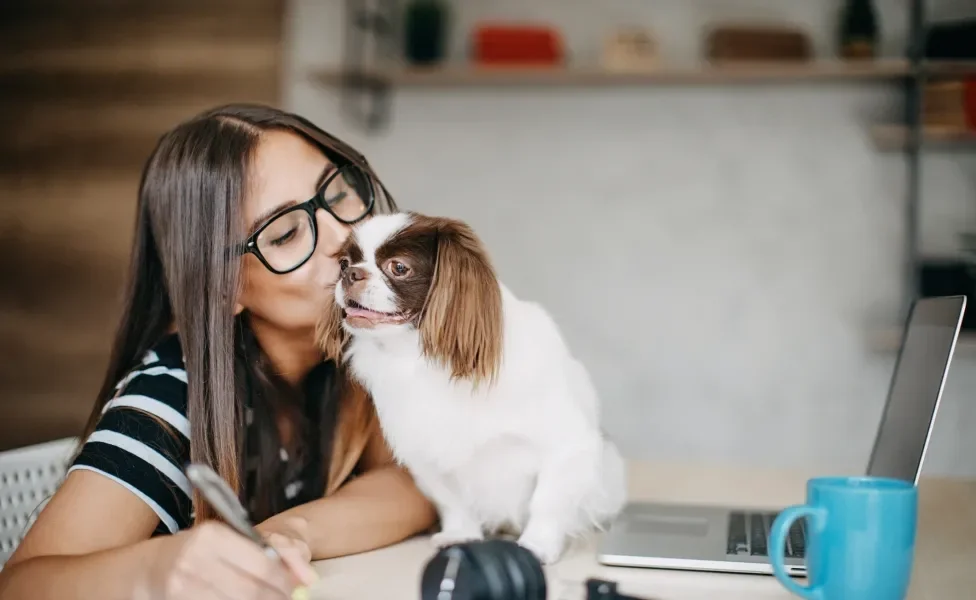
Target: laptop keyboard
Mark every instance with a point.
(749, 533)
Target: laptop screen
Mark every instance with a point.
(916, 387)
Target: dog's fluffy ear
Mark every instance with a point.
(461, 326)
(329, 332)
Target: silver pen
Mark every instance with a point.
(223, 500)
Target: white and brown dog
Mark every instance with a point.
(476, 391)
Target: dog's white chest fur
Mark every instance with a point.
(525, 454)
(474, 445)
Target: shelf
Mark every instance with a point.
(896, 137)
(950, 68)
(465, 76)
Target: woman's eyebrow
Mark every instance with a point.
(263, 217)
(326, 171)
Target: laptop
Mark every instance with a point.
(734, 539)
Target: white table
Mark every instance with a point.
(945, 561)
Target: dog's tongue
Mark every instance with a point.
(362, 312)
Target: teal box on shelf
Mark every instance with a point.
(425, 31)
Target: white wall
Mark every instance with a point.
(716, 255)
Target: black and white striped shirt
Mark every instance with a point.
(142, 441)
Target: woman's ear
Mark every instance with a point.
(462, 323)
(329, 332)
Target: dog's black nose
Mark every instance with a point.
(354, 274)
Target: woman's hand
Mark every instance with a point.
(289, 536)
(212, 562)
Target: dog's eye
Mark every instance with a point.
(343, 264)
(398, 268)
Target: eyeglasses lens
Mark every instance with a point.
(348, 194)
(287, 241)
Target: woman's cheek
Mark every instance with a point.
(332, 273)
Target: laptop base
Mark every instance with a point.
(685, 537)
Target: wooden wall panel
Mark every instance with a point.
(87, 88)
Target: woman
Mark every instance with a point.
(241, 211)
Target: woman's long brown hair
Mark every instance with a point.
(181, 275)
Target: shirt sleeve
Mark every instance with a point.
(142, 442)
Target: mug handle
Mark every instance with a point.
(777, 547)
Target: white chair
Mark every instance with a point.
(28, 478)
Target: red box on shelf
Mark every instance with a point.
(969, 100)
(499, 44)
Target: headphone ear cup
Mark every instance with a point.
(490, 559)
(537, 588)
(484, 570)
(509, 555)
(531, 571)
(519, 573)
(468, 584)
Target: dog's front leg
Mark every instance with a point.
(458, 523)
(457, 526)
(554, 511)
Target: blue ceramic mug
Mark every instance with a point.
(860, 538)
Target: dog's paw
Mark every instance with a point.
(548, 551)
(454, 536)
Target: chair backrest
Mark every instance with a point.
(28, 478)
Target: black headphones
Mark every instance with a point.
(483, 570)
(496, 570)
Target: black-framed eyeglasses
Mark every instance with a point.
(288, 239)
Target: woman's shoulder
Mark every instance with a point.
(159, 377)
(163, 358)
(167, 351)
(142, 439)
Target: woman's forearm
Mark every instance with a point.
(378, 508)
(119, 573)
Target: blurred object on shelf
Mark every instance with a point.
(751, 43)
(943, 105)
(629, 48)
(500, 44)
(425, 31)
(951, 40)
(859, 30)
(968, 242)
(969, 102)
(951, 102)
(948, 277)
